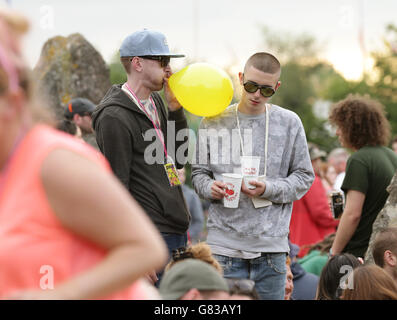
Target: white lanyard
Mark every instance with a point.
(266, 134)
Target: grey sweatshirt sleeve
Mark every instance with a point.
(300, 174)
(202, 176)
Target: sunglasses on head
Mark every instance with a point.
(252, 87)
(164, 60)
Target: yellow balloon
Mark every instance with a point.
(202, 89)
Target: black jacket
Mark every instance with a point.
(120, 127)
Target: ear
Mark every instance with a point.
(76, 118)
(192, 294)
(136, 63)
(389, 258)
(240, 76)
(278, 85)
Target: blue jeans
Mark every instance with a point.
(268, 271)
(173, 241)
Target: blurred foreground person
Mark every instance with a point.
(68, 229)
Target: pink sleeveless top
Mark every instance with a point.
(35, 249)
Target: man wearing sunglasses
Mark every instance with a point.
(124, 117)
(251, 241)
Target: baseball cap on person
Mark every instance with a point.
(146, 43)
(79, 106)
(190, 274)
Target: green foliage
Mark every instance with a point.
(305, 80)
(117, 72)
(384, 88)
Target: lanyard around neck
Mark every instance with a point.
(157, 129)
(266, 134)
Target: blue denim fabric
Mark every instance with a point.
(268, 272)
(173, 241)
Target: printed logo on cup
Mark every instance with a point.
(250, 172)
(230, 193)
(232, 190)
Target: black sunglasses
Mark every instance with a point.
(252, 87)
(164, 60)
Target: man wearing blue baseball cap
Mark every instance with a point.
(134, 132)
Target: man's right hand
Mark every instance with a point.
(217, 190)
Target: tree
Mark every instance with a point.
(304, 80)
(384, 87)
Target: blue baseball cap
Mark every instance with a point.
(146, 43)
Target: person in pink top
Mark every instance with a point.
(68, 229)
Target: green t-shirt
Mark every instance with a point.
(314, 262)
(369, 170)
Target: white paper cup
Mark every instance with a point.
(233, 189)
(250, 169)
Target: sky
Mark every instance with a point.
(221, 32)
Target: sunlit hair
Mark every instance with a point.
(264, 62)
(362, 122)
(371, 282)
(200, 251)
(385, 240)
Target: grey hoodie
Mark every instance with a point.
(289, 177)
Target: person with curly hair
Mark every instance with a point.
(361, 125)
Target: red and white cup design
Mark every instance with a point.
(250, 169)
(233, 189)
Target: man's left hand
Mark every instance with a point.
(173, 103)
(258, 191)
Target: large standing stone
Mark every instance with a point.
(387, 217)
(69, 68)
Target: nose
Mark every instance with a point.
(257, 93)
(167, 71)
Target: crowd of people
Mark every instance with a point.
(85, 214)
